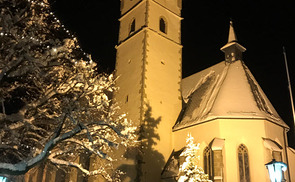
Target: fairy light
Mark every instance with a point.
(42, 4)
(55, 20)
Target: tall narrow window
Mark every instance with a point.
(243, 163)
(208, 162)
(213, 160)
(163, 26)
(217, 165)
(132, 27)
(274, 147)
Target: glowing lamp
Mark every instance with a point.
(275, 170)
(3, 179)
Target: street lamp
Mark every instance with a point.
(275, 170)
(3, 179)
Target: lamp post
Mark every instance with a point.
(275, 170)
(3, 179)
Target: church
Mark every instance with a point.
(222, 107)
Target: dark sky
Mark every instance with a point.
(263, 27)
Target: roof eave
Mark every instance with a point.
(212, 118)
(230, 44)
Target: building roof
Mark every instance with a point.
(225, 90)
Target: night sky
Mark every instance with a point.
(263, 27)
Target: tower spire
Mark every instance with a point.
(232, 50)
(232, 35)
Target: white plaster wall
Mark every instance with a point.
(139, 14)
(149, 66)
(277, 133)
(291, 159)
(173, 22)
(249, 133)
(161, 70)
(129, 68)
(235, 132)
(172, 5)
(128, 4)
(162, 95)
(162, 84)
(203, 134)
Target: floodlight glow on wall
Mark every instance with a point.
(275, 170)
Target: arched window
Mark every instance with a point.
(243, 163)
(208, 162)
(274, 147)
(163, 26)
(132, 27)
(213, 160)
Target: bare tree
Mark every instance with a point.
(54, 104)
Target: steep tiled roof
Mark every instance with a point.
(225, 90)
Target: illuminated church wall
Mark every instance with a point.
(291, 159)
(224, 108)
(235, 132)
(149, 68)
(126, 5)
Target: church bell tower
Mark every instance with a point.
(148, 64)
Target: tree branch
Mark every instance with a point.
(100, 171)
(23, 166)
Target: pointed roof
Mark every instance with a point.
(232, 48)
(224, 91)
(232, 35)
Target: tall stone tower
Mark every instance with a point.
(149, 54)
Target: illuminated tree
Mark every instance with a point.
(54, 104)
(190, 171)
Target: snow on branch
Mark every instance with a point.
(100, 171)
(23, 166)
(190, 171)
(52, 96)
